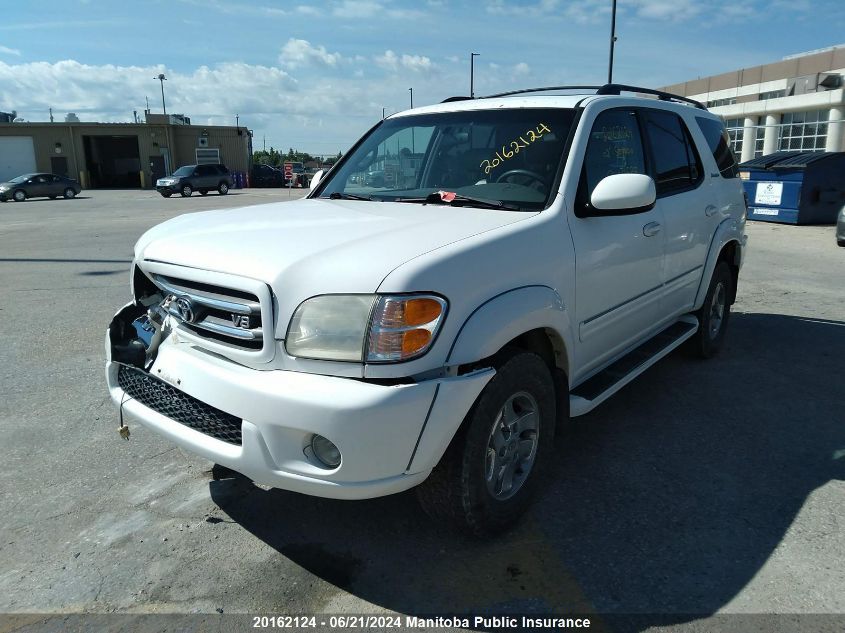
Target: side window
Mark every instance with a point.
(676, 162)
(615, 147)
(719, 143)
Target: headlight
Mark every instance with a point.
(375, 329)
(4, 188)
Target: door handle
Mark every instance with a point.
(709, 210)
(651, 229)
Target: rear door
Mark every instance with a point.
(687, 201)
(619, 257)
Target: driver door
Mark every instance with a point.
(619, 254)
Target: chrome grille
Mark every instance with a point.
(224, 315)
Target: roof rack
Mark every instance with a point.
(606, 89)
(615, 89)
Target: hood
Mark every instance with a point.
(310, 247)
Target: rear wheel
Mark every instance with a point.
(714, 314)
(70, 193)
(187, 191)
(223, 189)
(19, 195)
(486, 478)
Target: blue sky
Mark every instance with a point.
(315, 75)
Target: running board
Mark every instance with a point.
(595, 390)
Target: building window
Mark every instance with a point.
(759, 136)
(715, 103)
(806, 131)
(735, 134)
(772, 94)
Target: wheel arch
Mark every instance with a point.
(726, 246)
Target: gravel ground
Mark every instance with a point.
(702, 488)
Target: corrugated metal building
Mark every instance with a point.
(115, 155)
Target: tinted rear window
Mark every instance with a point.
(717, 140)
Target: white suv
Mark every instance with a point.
(522, 258)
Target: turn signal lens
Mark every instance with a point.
(422, 311)
(404, 327)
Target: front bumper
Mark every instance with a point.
(389, 436)
(168, 188)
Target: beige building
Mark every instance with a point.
(120, 155)
(797, 103)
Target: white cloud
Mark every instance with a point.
(370, 9)
(300, 52)
(392, 62)
(306, 9)
(5, 50)
(521, 69)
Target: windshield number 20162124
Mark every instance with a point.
(511, 149)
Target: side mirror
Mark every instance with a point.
(629, 193)
(316, 178)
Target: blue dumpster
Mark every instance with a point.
(795, 187)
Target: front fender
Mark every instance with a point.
(504, 317)
(730, 230)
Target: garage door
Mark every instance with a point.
(17, 156)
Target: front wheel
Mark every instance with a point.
(714, 314)
(223, 189)
(486, 478)
(69, 193)
(187, 191)
(19, 195)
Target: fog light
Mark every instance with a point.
(325, 451)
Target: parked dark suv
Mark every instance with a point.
(190, 178)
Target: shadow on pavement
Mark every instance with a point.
(666, 500)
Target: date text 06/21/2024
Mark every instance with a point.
(381, 621)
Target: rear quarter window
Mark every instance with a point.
(717, 141)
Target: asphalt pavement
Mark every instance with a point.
(702, 488)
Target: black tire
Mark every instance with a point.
(69, 193)
(186, 191)
(19, 195)
(203, 192)
(707, 342)
(457, 491)
(840, 242)
(223, 188)
(164, 194)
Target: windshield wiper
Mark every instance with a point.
(457, 200)
(337, 195)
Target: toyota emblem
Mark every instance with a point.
(185, 310)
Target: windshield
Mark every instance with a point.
(20, 179)
(184, 171)
(507, 155)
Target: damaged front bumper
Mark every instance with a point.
(389, 436)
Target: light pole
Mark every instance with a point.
(612, 42)
(237, 120)
(413, 148)
(472, 57)
(162, 79)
